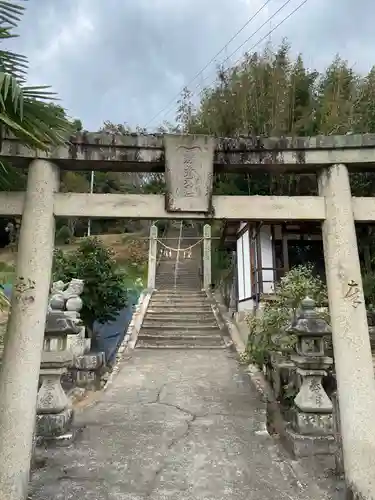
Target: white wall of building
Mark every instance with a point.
(243, 266)
(244, 269)
(245, 305)
(267, 250)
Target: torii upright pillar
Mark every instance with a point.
(350, 335)
(25, 332)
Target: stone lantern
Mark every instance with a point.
(311, 429)
(54, 412)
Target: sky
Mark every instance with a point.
(126, 60)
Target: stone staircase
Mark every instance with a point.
(187, 276)
(180, 315)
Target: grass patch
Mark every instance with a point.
(7, 273)
(135, 274)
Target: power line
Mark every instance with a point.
(248, 39)
(209, 62)
(261, 39)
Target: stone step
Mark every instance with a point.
(167, 309)
(187, 298)
(183, 260)
(191, 264)
(187, 295)
(198, 335)
(186, 304)
(180, 340)
(185, 288)
(181, 305)
(178, 316)
(180, 329)
(180, 294)
(192, 294)
(179, 323)
(169, 272)
(144, 345)
(181, 282)
(166, 272)
(165, 269)
(181, 279)
(191, 270)
(173, 291)
(186, 265)
(180, 285)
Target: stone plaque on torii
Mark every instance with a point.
(189, 168)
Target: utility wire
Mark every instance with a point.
(209, 62)
(260, 40)
(255, 44)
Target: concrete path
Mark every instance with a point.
(181, 425)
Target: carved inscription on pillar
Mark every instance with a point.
(189, 173)
(353, 294)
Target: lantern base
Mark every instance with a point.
(56, 428)
(301, 445)
(314, 424)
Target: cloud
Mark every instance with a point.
(123, 60)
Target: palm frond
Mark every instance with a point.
(26, 112)
(11, 13)
(10, 62)
(28, 115)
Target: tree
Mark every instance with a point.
(25, 111)
(273, 94)
(104, 293)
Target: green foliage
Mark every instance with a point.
(272, 94)
(127, 182)
(6, 268)
(297, 284)
(244, 358)
(64, 235)
(6, 275)
(75, 182)
(289, 392)
(105, 291)
(162, 226)
(221, 263)
(267, 330)
(136, 253)
(25, 111)
(368, 281)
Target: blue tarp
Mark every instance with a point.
(109, 335)
(7, 289)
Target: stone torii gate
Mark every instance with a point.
(189, 163)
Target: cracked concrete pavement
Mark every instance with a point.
(181, 425)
